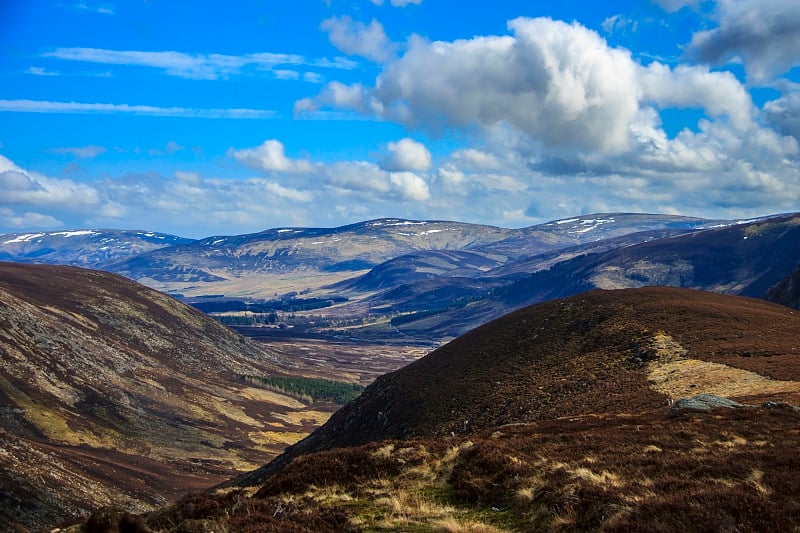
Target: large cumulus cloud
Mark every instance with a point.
(764, 35)
(557, 109)
(559, 83)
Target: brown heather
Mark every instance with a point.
(555, 418)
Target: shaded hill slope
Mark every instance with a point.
(593, 353)
(786, 291)
(114, 393)
(745, 259)
(568, 415)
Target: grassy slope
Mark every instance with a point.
(570, 426)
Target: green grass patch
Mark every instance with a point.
(310, 388)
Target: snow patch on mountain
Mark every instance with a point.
(31, 236)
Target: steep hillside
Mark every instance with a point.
(112, 393)
(587, 354)
(651, 409)
(786, 291)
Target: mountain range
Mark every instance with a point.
(428, 281)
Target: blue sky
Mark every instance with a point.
(208, 118)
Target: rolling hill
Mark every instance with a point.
(113, 393)
(221, 264)
(649, 409)
(86, 248)
(746, 259)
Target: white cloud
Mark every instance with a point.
(407, 154)
(39, 71)
(365, 179)
(270, 156)
(21, 187)
(194, 205)
(410, 186)
(28, 220)
(452, 180)
(367, 182)
(285, 193)
(357, 38)
(336, 94)
(191, 178)
(170, 148)
(194, 66)
(44, 106)
(718, 93)
(619, 23)
(313, 77)
(559, 83)
(762, 34)
(555, 109)
(474, 158)
(187, 203)
(102, 9)
(286, 74)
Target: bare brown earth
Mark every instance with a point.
(558, 417)
(115, 394)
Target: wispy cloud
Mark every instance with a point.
(45, 106)
(357, 38)
(100, 8)
(397, 3)
(28, 220)
(170, 148)
(39, 71)
(82, 152)
(196, 66)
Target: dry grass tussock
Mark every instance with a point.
(452, 525)
(725, 470)
(677, 375)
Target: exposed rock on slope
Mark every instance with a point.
(114, 393)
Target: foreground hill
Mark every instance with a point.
(652, 409)
(593, 353)
(112, 393)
